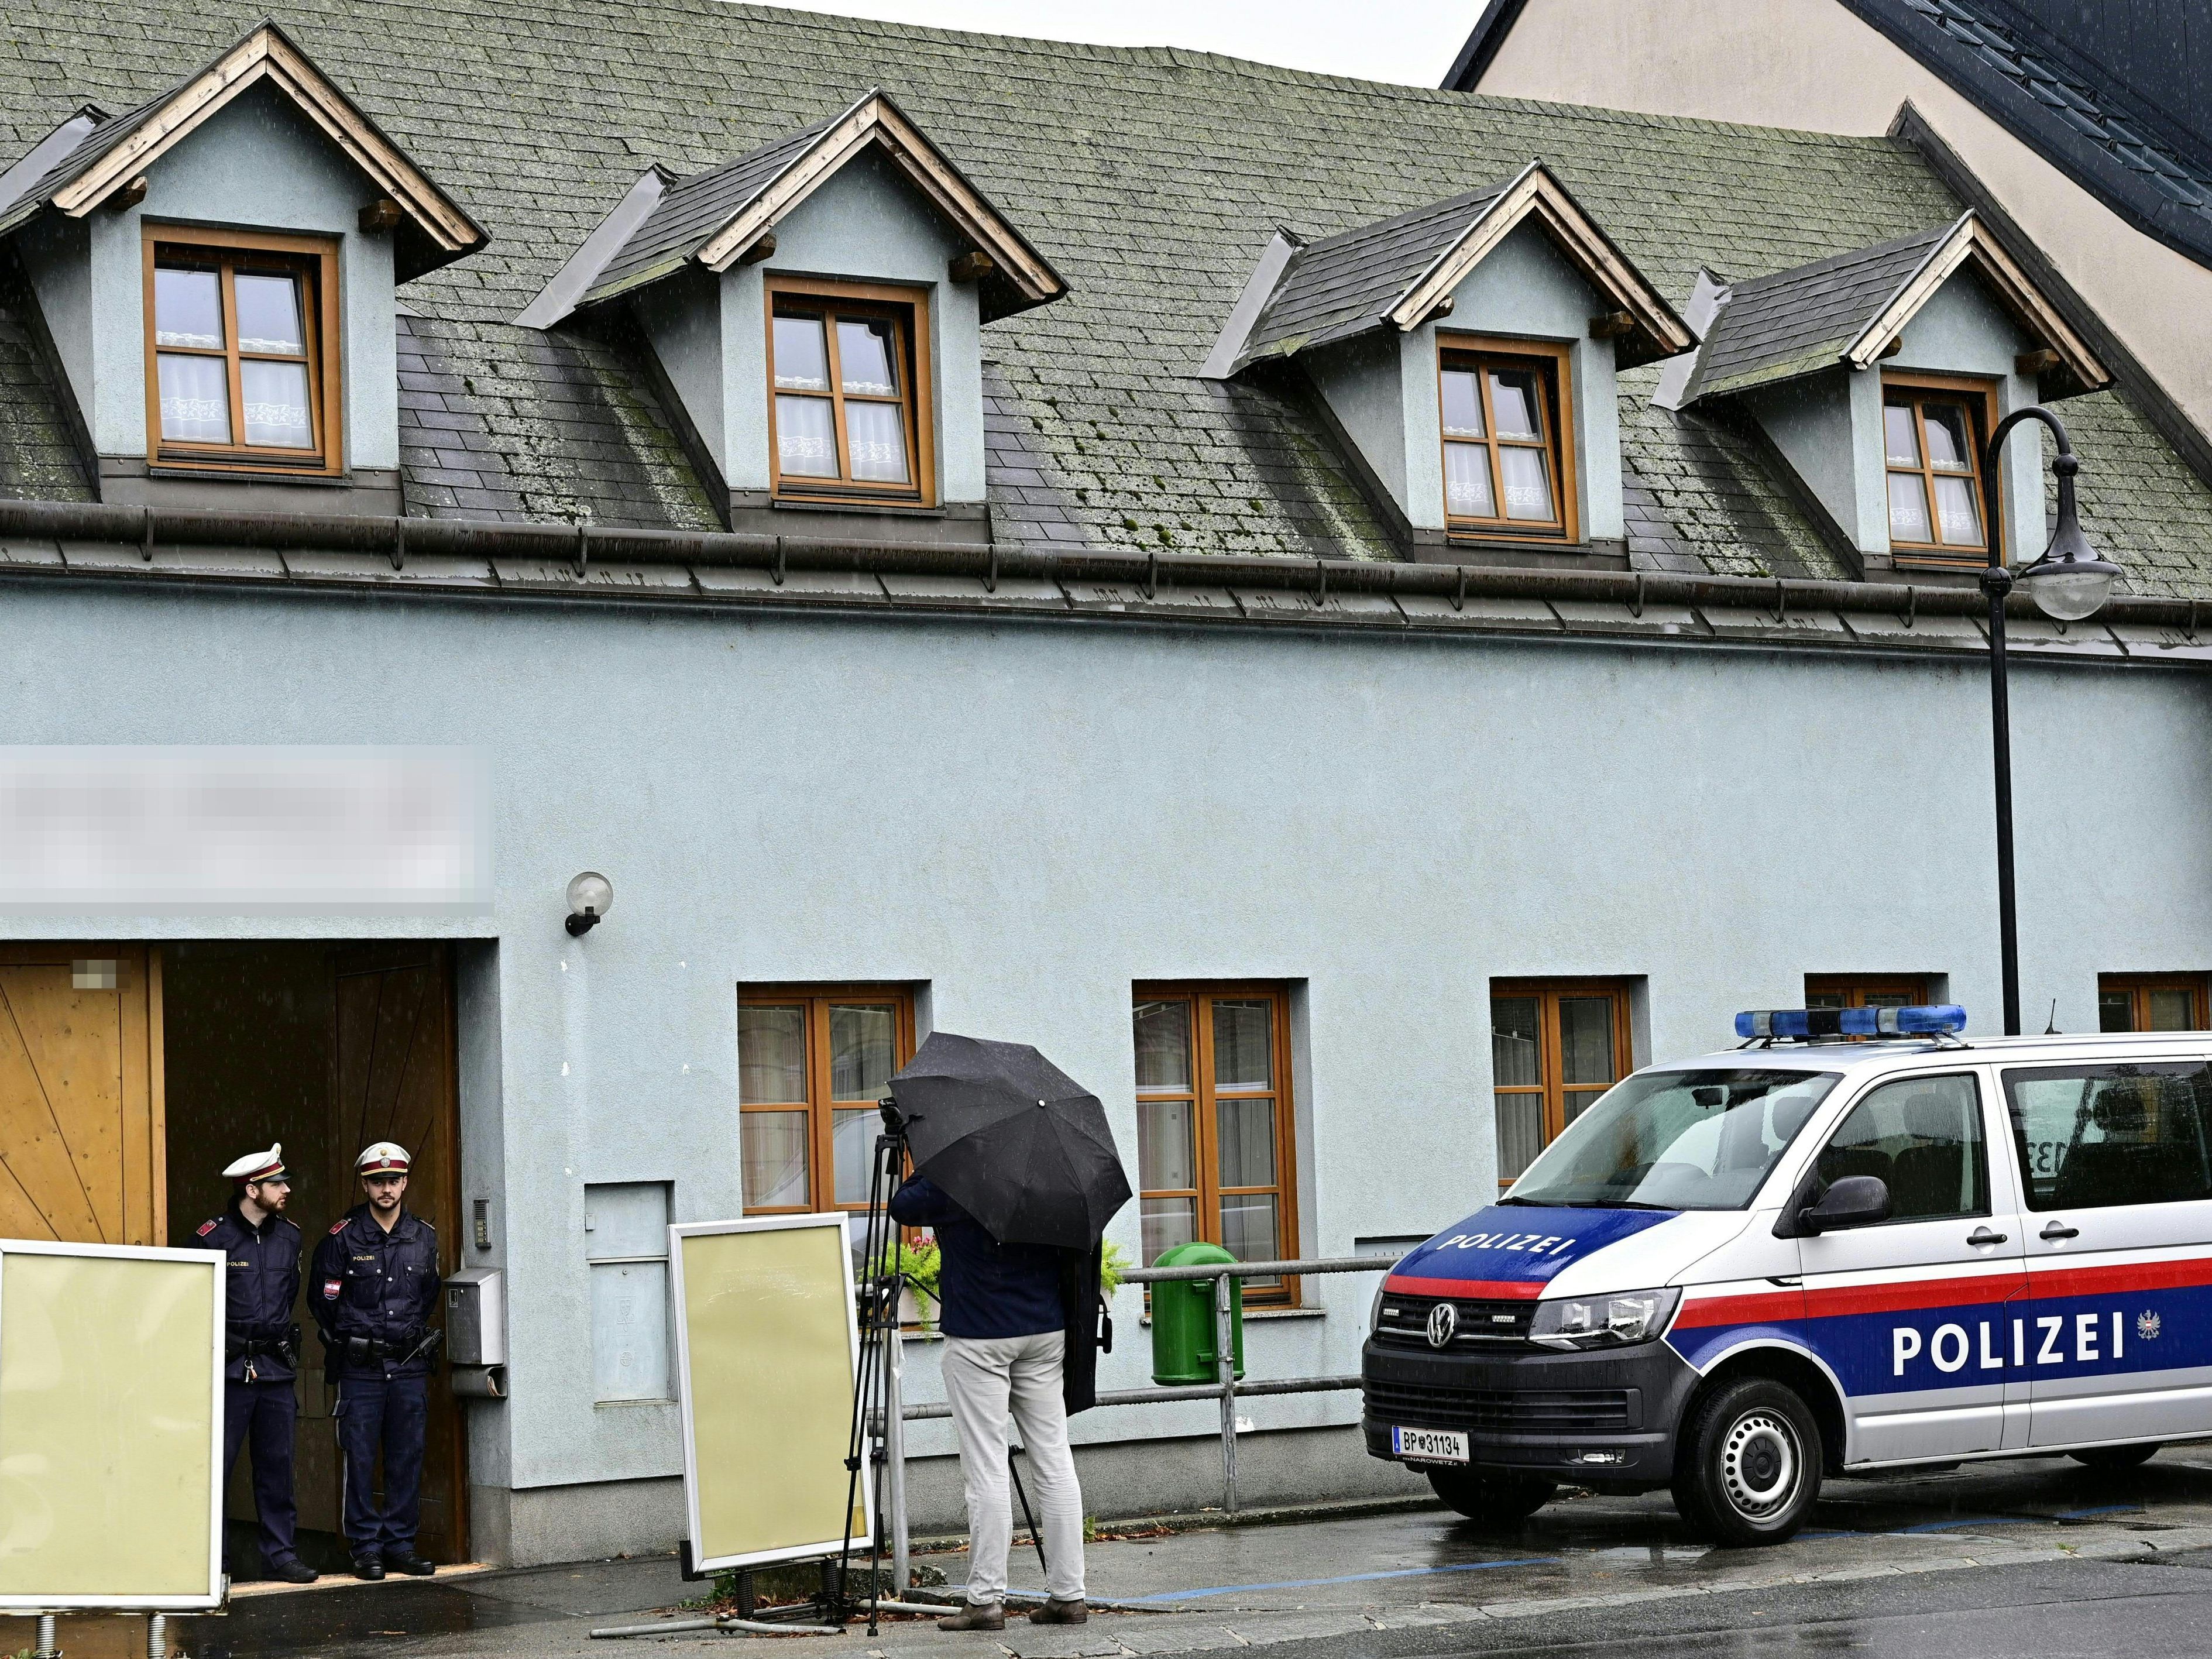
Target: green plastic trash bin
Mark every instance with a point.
(1183, 1348)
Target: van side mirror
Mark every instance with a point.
(1853, 1201)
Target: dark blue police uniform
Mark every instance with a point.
(259, 1401)
(371, 1293)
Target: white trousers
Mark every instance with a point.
(984, 1378)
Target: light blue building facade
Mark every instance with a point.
(1390, 823)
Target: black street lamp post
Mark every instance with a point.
(2069, 583)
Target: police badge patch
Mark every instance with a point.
(207, 1227)
(2147, 1326)
(332, 1286)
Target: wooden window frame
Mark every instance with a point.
(1554, 364)
(1855, 988)
(821, 1113)
(909, 308)
(1206, 1140)
(316, 259)
(1551, 1060)
(2138, 987)
(1980, 396)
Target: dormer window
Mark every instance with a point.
(1878, 376)
(845, 361)
(1932, 438)
(222, 383)
(1492, 438)
(1505, 471)
(242, 371)
(814, 311)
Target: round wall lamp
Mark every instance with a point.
(591, 896)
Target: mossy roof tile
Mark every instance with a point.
(1151, 178)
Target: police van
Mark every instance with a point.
(1814, 1255)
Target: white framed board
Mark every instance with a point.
(767, 1348)
(111, 1427)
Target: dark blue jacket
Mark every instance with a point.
(987, 1289)
(372, 1283)
(264, 1280)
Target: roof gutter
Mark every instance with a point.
(147, 530)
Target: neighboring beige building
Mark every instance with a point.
(1823, 64)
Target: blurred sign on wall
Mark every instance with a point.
(146, 830)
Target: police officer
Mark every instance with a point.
(373, 1285)
(262, 1342)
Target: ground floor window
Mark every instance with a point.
(1865, 991)
(2151, 1002)
(1216, 1149)
(812, 1062)
(1555, 1046)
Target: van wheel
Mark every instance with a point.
(1502, 1500)
(2116, 1457)
(1749, 1467)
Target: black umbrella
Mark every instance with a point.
(1012, 1139)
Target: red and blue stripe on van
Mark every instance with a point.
(1941, 1328)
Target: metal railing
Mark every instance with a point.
(1226, 1388)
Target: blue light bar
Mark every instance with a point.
(1807, 1023)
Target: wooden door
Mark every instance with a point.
(393, 1080)
(81, 1152)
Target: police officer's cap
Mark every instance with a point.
(385, 1157)
(260, 1166)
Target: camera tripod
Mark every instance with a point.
(876, 1430)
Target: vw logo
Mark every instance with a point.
(1444, 1320)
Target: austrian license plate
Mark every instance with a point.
(1429, 1445)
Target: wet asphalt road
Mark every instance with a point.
(2030, 1561)
(2069, 1610)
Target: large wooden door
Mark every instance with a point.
(81, 1123)
(392, 1079)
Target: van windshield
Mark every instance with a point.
(1676, 1140)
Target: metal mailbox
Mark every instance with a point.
(476, 1331)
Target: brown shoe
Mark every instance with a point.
(1057, 1612)
(976, 1615)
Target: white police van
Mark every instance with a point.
(1810, 1255)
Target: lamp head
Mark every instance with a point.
(591, 896)
(2070, 582)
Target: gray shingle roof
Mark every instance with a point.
(103, 135)
(1342, 285)
(38, 457)
(2117, 96)
(2113, 95)
(1798, 321)
(691, 210)
(555, 427)
(1150, 179)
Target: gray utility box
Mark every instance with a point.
(476, 1317)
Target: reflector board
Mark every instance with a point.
(767, 1346)
(111, 1427)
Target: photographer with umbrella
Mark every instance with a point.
(1016, 1170)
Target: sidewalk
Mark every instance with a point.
(1243, 1586)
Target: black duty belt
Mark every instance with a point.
(362, 1350)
